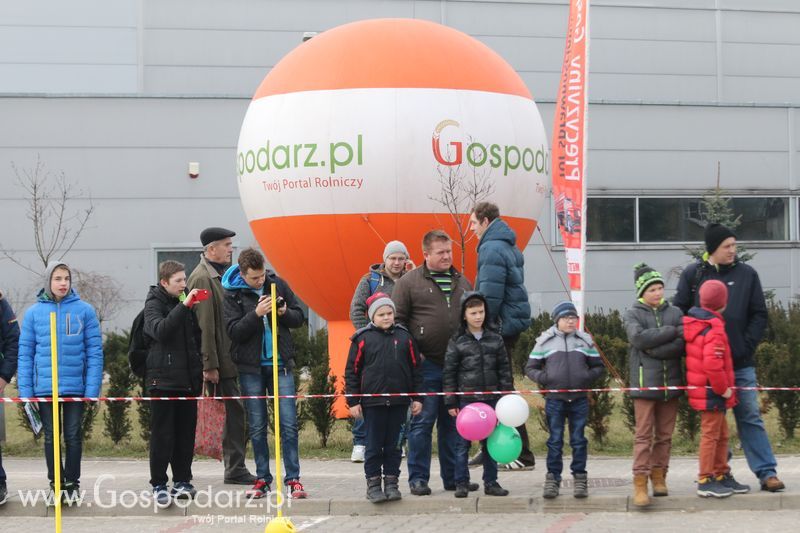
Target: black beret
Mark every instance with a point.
(210, 235)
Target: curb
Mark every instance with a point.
(415, 506)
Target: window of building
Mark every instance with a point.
(190, 257)
(681, 219)
(611, 219)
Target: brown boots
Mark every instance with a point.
(640, 497)
(658, 477)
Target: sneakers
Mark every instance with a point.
(494, 489)
(420, 488)
(374, 492)
(772, 484)
(358, 454)
(71, 493)
(260, 489)
(551, 486)
(183, 490)
(581, 485)
(3, 492)
(390, 488)
(296, 490)
(519, 465)
(727, 480)
(710, 487)
(161, 495)
(462, 490)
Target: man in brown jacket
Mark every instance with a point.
(218, 368)
(428, 302)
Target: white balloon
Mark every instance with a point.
(512, 410)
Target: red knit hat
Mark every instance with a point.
(713, 295)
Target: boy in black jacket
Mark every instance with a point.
(173, 368)
(383, 359)
(476, 360)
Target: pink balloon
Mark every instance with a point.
(476, 421)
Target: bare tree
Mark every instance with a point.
(461, 187)
(56, 225)
(101, 291)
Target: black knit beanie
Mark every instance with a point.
(715, 234)
(644, 276)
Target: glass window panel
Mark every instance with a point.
(762, 219)
(190, 258)
(670, 219)
(610, 220)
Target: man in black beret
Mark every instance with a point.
(745, 322)
(218, 368)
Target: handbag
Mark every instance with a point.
(210, 423)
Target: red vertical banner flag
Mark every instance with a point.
(569, 149)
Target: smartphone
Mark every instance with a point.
(201, 294)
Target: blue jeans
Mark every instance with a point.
(359, 432)
(2, 472)
(71, 417)
(421, 433)
(558, 412)
(750, 426)
(462, 456)
(261, 385)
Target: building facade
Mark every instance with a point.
(122, 96)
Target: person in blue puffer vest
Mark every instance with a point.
(80, 366)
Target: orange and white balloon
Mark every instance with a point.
(347, 140)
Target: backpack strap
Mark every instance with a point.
(375, 281)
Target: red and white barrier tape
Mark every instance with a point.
(384, 395)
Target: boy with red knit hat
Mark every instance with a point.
(709, 368)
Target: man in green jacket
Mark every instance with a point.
(218, 368)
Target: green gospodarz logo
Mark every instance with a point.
(509, 157)
(306, 155)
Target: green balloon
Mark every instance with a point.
(504, 444)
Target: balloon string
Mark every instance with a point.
(366, 219)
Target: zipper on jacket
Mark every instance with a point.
(663, 363)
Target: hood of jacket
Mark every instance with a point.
(233, 280)
(487, 320)
(697, 321)
(498, 230)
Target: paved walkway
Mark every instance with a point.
(120, 488)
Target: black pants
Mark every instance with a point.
(383, 432)
(526, 454)
(172, 427)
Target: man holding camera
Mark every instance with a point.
(247, 312)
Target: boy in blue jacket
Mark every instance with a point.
(80, 367)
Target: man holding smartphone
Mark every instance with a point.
(215, 345)
(247, 312)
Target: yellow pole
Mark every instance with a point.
(56, 426)
(276, 403)
(279, 524)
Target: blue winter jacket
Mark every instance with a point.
(80, 348)
(501, 278)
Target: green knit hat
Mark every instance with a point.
(644, 276)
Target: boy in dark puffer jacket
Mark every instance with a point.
(383, 359)
(476, 360)
(174, 368)
(709, 368)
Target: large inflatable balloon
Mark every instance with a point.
(355, 137)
